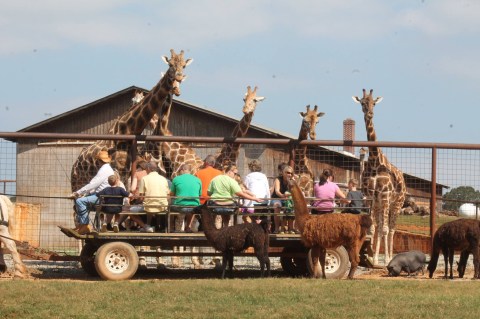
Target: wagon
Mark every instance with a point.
(115, 256)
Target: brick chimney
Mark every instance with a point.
(349, 134)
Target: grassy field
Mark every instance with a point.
(240, 298)
(420, 224)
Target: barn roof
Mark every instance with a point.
(48, 122)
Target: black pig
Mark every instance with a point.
(410, 262)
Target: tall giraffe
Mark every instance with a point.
(229, 152)
(133, 122)
(301, 166)
(382, 182)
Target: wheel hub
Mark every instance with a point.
(116, 262)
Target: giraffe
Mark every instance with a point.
(382, 183)
(229, 152)
(299, 157)
(132, 122)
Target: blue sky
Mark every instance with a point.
(422, 56)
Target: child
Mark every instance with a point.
(112, 202)
(247, 205)
(355, 197)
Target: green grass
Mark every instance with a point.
(423, 221)
(240, 298)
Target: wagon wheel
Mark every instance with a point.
(336, 263)
(116, 261)
(294, 266)
(87, 259)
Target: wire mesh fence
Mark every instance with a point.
(36, 172)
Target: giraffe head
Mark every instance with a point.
(251, 100)
(178, 63)
(176, 85)
(138, 97)
(368, 103)
(309, 122)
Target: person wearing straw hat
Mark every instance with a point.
(86, 198)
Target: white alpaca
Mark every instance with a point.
(7, 211)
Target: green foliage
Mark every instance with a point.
(460, 195)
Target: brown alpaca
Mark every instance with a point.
(236, 238)
(329, 231)
(460, 234)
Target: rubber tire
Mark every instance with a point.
(337, 263)
(295, 266)
(87, 259)
(116, 261)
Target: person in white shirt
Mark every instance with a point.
(86, 198)
(257, 183)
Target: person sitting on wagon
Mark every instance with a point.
(112, 202)
(223, 188)
(325, 193)
(86, 197)
(355, 198)
(187, 188)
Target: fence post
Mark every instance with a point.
(433, 198)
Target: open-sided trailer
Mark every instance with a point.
(115, 256)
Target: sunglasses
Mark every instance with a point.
(289, 173)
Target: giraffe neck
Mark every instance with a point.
(301, 161)
(135, 120)
(373, 151)
(229, 152)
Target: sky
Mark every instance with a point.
(421, 56)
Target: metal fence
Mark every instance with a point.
(35, 170)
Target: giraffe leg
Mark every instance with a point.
(385, 228)
(386, 245)
(390, 244)
(377, 245)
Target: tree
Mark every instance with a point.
(460, 195)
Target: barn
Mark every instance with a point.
(44, 165)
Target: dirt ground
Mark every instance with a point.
(41, 270)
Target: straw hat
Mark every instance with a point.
(104, 157)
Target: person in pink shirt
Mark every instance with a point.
(325, 193)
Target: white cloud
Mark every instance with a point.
(149, 25)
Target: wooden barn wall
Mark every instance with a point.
(190, 122)
(93, 120)
(43, 179)
(343, 167)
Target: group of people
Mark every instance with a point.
(209, 185)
